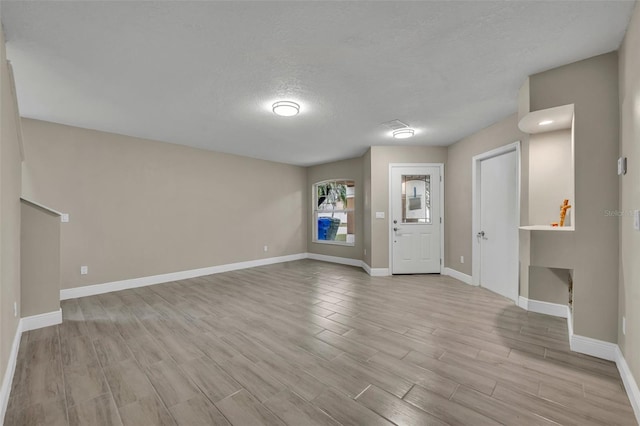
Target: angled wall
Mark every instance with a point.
(458, 186)
(10, 188)
(629, 283)
(39, 260)
(141, 208)
(366, 179)
(381, 157)
(345, 169)
(592, 86)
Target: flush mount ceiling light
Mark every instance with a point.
(403, 133)
(285, 108)
(545, 122)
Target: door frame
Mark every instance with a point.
(390, 210)
(475, 226)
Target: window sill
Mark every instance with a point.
(334, 243)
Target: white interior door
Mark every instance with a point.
(498, 231)
(415, 219)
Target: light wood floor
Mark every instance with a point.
(305, 343)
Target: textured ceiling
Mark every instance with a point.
(205, 73)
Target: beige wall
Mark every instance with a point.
(542, 250)
(629, 287)
(550, 176)
(458, 191)
(40, 260)
(366, 179)
(549, 284)
(140, 208)
(592, 86)
(345, 169)
(381, 157)
(523, 100)
(10, 187)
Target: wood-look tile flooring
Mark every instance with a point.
(308, 343)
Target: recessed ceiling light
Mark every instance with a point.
(545, 122)
(285, 108)
(403, 133)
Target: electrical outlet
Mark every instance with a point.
(84, 270)
(461, 259)
(64, 218)
(636, 220)
(624, 326)
(266, 248)
(15, 309)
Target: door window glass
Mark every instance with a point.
(416, 199)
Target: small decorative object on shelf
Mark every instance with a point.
(563, 211)
(554, 224)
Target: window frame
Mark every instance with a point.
(315, 211)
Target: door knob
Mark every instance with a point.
(480, 234)
(395, 221)
(396, 229)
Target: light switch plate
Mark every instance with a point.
(622, 166)
(84, 270)
(65, 217)
(379, 215)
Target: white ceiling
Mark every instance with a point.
(205, 73)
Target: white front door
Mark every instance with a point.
(497, 236)
(415, 219)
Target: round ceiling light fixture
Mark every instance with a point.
(285, 108)
(403, 133)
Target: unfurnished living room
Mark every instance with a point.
(320, 212)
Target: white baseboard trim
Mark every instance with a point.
(40, 321)
(523, 302)
(375, 272)
(91, 290)
(570, 323)
(630, 384)
(593, 347)
(7, 380)
(335, 259)
(380, 272)
(467, 279)
(610, 352)
(589, 346)
(25, 324)
(547, 308)
(366, 267)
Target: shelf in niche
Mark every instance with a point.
(559, 118)
(547, 228)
